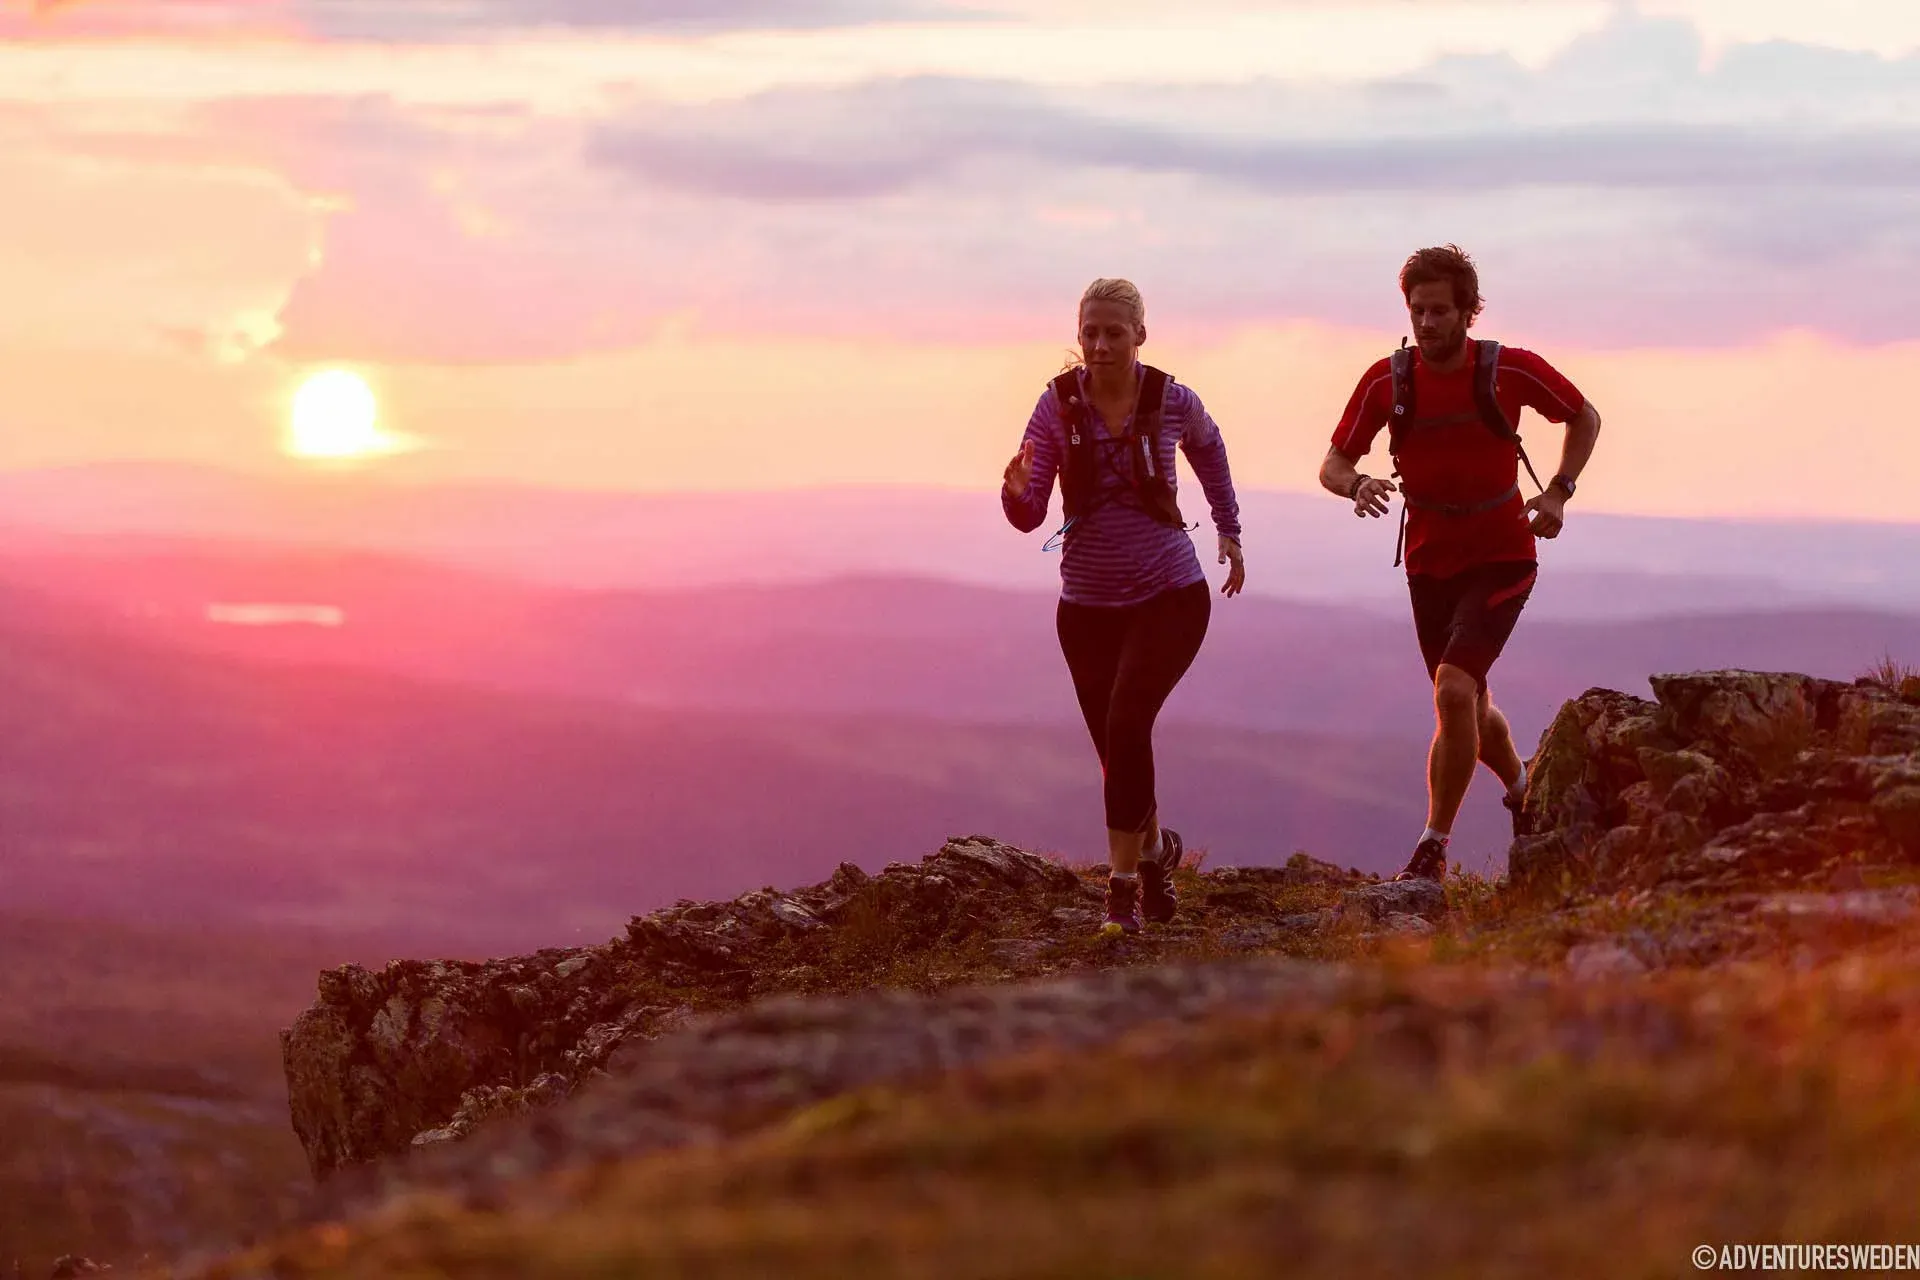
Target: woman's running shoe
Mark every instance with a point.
(1158, 900)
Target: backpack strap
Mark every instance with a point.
(1077, 468)
(1150, 486)
(1148, 413)
(1486, 374)
(1400, 364)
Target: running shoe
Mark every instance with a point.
(1158, 900)
(1517, 805)
(1123, 907)
(1429, 862)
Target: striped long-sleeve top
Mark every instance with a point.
(1118, 554)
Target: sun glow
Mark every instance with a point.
(335, 415)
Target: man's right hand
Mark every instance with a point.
(1371, 498)
(1019, 473)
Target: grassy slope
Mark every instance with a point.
(1433, 1127)
(1455, 1119)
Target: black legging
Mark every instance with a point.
(1125, 662)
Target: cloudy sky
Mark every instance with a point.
(757, 243)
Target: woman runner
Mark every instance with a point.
(1134, 603)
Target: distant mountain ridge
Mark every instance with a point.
(1301, 545)
(884, 646)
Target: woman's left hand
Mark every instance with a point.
(1236, 576)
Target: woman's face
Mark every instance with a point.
(1108, 335)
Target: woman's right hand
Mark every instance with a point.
(1019, 473)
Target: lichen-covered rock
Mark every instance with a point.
(422, 1053)
(1588, 757)
(1756, 715)
(1727, 775)
(1373, 904)
(727, 1072)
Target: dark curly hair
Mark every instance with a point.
(1450, 264)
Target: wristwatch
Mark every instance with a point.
(1564, 481)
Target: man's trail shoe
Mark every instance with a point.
(1429, 862)
(1158, 901)
(1123, 908)
(1516, 805)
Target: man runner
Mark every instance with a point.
(1468, 531)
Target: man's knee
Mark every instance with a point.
(1456, 695)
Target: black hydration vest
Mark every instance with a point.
(1080, 475)
(1486, 411)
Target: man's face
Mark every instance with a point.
(1439, 326)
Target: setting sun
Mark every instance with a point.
(335, 415)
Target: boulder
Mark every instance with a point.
(1372, 905)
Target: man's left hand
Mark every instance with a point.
(1549, 513)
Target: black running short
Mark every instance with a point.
(1465, 620)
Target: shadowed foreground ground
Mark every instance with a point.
(1438, 1119)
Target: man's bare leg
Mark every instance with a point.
(1497, 751)
(1456, 745)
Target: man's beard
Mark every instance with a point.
(1453, 345)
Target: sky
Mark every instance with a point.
(711, 244)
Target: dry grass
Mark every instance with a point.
(1891, 673)
(1449, 1124)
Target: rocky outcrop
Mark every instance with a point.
(1725, 779)
(424, 1052)
(729, 1073)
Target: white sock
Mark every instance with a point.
(1431, 834)
(1519, 788)
(1152, 852)
(1123, 875)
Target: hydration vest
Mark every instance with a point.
(1080, 472)
(1486, 411)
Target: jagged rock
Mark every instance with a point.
(1728, 776)
(1763, 717)
(1588, 755)
(727, 1072)
(1373, 904)
(1593, 961)
(423, 1052)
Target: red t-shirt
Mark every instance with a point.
(1459, 462)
